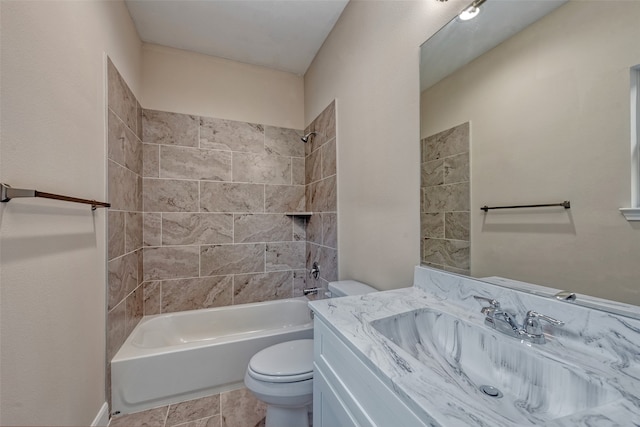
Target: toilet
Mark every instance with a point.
(282, 375)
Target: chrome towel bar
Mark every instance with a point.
(566, 204)
(9, 193)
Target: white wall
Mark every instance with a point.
(549, 112)
(185, 82)
(52, 290)
(370, 65)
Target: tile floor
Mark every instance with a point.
(237, 408)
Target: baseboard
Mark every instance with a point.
(102, 419)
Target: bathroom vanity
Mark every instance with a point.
(429, 356)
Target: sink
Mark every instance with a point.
(526, 382)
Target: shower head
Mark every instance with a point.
(307, 136)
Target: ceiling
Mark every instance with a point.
(282, 34)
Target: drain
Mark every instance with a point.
(491, 391)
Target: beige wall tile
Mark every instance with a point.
(138, 121)
(120, 97)
(152, 229)
(262, 287)
(314, 229)
(261, 168)
(140, 256)
(133, 231)
(196, 228)
(328, 151)
(313, 167)
(229, 197)
(328, 264)
(312, 202)
(423, 150)
(283, 141)
(171, 262)
(196, 293)
(452, 253)
(160, 127)
(313, 255)
(433, 250)
(221, 134)
(116, 327)
(330, 230)
(262, 228)
(432, 225)
(454, 197)
(457, 225)
(326, 122)
(326, 193)
(122, 278)
(447, 143)
(299, 228)
(297, 171)
(133, 153)
(115, 138)
(116, 233)
(458, 197)
(299, 282)
(135, 309)
(285, 256)
(284, 198)
(457, 254)
(219, 260)
(165, 195)
(151, 296)
(123, 183)
(432, 173)
(195, 163)
(151, 160)
(456, 168)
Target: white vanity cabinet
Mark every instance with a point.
(346, 392)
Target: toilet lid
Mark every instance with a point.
(285, 362)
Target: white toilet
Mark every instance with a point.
(282, 375)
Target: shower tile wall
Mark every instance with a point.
(445, 200)
(125, 267)
(216, 194)
(321, 190)
(198, 219)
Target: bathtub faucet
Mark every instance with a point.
(310, 291)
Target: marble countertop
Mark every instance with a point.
(434, 390)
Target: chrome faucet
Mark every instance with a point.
(532, 328)
(505, 321)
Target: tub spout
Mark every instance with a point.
(310, 291)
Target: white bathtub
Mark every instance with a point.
(169, 358)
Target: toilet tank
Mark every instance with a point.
(345, 288)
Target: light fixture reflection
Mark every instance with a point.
(469, 13)
(472, 11)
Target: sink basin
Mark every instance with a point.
(527, 383)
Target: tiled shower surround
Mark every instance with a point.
(215, 200)
(445, 200)
(321, 193)
(202, 217)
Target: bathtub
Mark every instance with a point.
(170, 358)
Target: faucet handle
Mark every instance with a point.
(492, 302)
(531, 315)
(532, 325)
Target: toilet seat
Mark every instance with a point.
(290, 361)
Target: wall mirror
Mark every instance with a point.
(529, 103)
